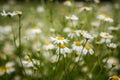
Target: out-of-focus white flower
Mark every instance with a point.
(52, 30)
(3, 13)
(77, 46)
(67, 29)
(88, 49)
(85, 8)
(2, 71)
(108, 19)
(54, 58)
(73, 33)
(59, 40)
(5, 29)
(10, 67)
(48, 46)
(106, 35)
(40, 9)
(113, 28)
(95, 24)
(101, 16)
(30, 63)
(112, 45)
(72, 17)
(62, 49)
(12, 13)
(105, 18)
(111, 61)
(36, 30)
(87, 36)
(67, 3)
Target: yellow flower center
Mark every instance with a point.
(47, 43)
(81, 32)
(88, 47)
(35, 28)
(72, 31)
(106, 35)
(2, 70)
(8, 67)
(78, 43)
(107, 16)
(102, 14)
(115, 77)
(60, 38)
(62, 46)
(28, 60)
(71, 17)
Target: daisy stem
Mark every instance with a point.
(19, 48)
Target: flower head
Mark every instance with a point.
(59, 40)
(48, 46)
(85, 8)
(87, 49)
(73, 33)
(72, 17)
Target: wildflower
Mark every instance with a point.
(54, 58)
(4, 13)
(40, 9)
(59, 40)
(114, 77)
(2, 71)
(85, 8)
(19, 13)
(35, 30)
(87, 36)
(67, 29)
(72, 17)
(87, 49)
(67, 3)
(48, 46)
(113, 28)
(77, 46)
(62, 49)
(101, 16)
(30, 63)
(112, 45)
(106, 37)
(108, 19)
(73, 33)
(9, 67)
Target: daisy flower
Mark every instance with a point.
(101, 16)
(62, 49)
(115, 77)
(73, 33)
(112, 45)
(3, 13)
(59, 40)
(87, 49)
(87, 36)
(35, 30)
(72, 17)
(30, 62)
(10, 67)
(77, 46)
(48, 46)
(108, 19)
(67, 3)
(2, 71)
(85, 8)
(106, 37)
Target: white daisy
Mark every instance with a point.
(36, 30)
(87, 35)
(106, 37)
(3, 13)
(101, 16)
(48, 46)
(112, 45)
(30, 63)
(9, 67)
(2, 71)
(67, 3)
(62, 49)
(72, 17)
(59, 40)
(73, 33)
(77, 46)
(87, 49)
(40, 9)
(85, 8)
(108, 19)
